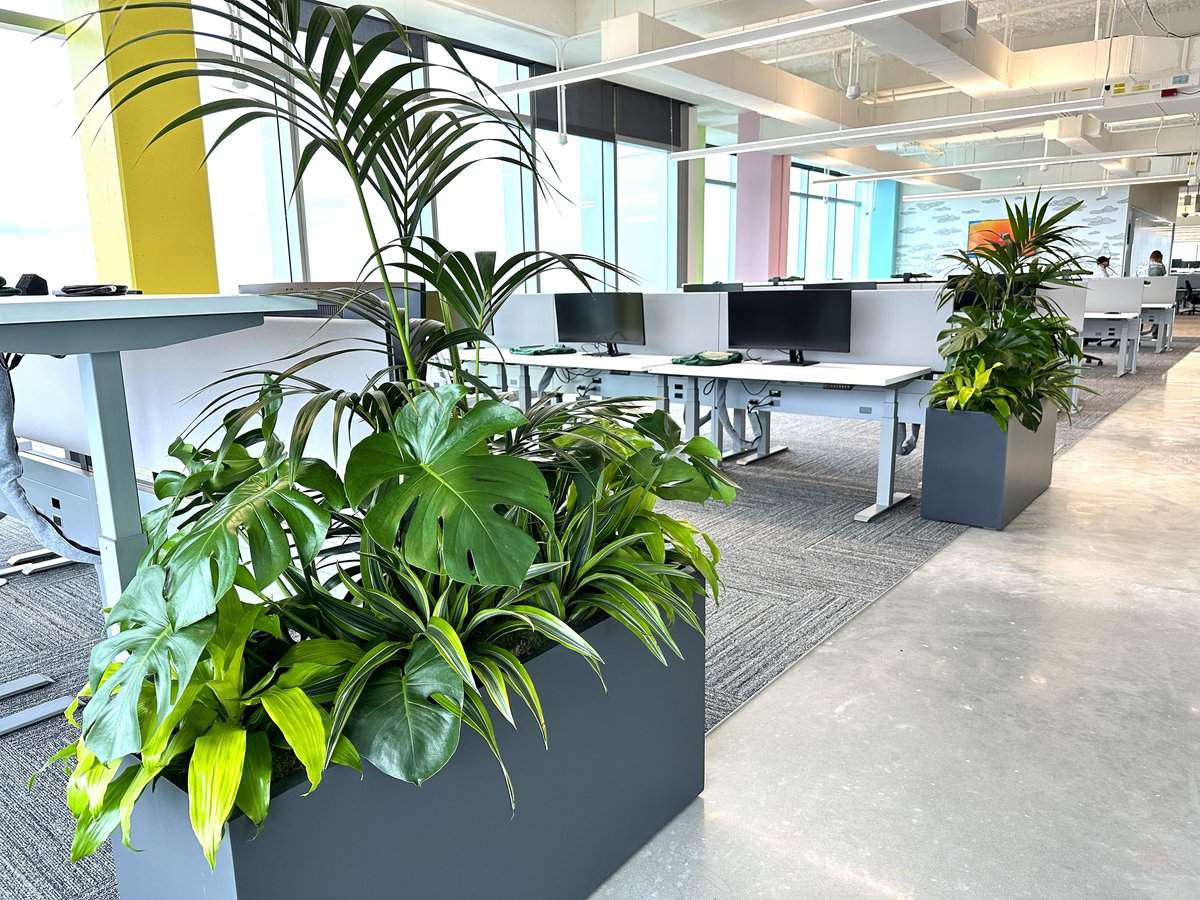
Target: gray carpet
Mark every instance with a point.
(796, 568)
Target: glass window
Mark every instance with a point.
(816, 240)
(720, 216)
(250, 183)
(50, 9)
(44, 221)
(575, 211)
(719, 211)
(646, 213)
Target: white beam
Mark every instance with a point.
(870, 134)
(740, 40)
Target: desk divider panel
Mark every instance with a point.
(1115, 295)
(897, 327)
(1159, 289)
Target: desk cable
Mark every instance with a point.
(12, 470)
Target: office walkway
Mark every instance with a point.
(1020, 717)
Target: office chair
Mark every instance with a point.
(1190, 297)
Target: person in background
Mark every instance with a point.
(1102, 267)
(1156, 266)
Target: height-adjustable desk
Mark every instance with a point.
(1124, 327)
(1163, 316)
(838, 390)
(97, 329)
(600, 376)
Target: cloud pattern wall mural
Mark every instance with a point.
(929, 229)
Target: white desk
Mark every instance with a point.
(1125, 327)
(839, 390)
(1161, 315)
(97, 329)
(604, 376)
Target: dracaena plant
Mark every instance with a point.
(292, 612)
(1008, 345)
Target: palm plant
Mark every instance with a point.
(295, 612)
(1008, 345)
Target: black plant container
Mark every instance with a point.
(620, 766)
(976, 474)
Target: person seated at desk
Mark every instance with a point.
(1103, 269)
(1156, 266)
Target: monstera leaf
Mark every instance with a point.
(202, 564)
(159, 648)
(452, 486)
(398, 727)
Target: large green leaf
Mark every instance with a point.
(159, 648)
(214, 775)
(254, 792)
(451, 487)
(302, 725)
(398, 727)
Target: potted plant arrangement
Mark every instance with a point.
(307, 637)
(1012, 362)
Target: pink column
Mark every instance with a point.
(761, 220)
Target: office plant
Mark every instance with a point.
(293, 616)
(1012, 363)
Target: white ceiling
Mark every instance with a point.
(892, 89)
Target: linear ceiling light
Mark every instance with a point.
(870, 132)
(738, 40)
(1034, 188)
(993, 166)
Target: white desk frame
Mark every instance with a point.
(599, 376)
(97, 329)
(1161, 315)
(1124, 327)
(837, 390)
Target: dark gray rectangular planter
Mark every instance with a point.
(976, 474)
(620, 766)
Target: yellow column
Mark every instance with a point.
(150, 209)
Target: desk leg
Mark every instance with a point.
(691, 407)
(885, 496)
(764, 448)
(1122, 350)
(121, 539)
(1133, 347)
(526, 383)
(1160, 343)
(664, 402)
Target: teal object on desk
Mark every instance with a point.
(539, 351)
(709, 358)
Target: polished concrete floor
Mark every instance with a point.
(1020, 717)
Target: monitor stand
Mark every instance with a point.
(795, 358)
(610, 351)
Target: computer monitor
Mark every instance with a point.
(794, 321)
(836, 285)
(720, 287)
(605, 317)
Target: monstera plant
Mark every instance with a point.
(293, 613)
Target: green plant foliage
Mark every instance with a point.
(293, 613)
(447, 490)
(1008, 345)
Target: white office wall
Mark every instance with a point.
(929, 229)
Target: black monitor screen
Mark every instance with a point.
(790, 320)
(611, 317)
